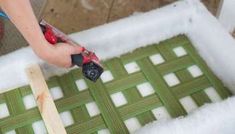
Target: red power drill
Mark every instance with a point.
(87, 60)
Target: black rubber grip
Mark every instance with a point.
(77, 59)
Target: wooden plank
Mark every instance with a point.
(45, 102)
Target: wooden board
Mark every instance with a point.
(44, 100)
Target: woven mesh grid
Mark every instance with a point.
(150, 78)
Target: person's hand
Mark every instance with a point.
(59, 54)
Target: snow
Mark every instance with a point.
(29, 101)
(180, 51)
(157, 59)
(4, 112)
(212, 94)
(171, 79)
(81, 84)
(92, 109)
(118, 99)
(227, 15)
(213, 43)
(39, 127)
(161, 113)
(145, 89)
(216, 118)
(132, 67)
(56, 93)
(195, 71)
(66, 118)
(188, 103)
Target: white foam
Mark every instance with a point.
(29, 101)
(145, 89)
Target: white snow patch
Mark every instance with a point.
(56, 93)
(161, 113)
(188, 103)
(195, 71)
(180, 51)
(145, 89)
(157, 59)
(92, 109)
(39, 127)
(103, 131)
(29, 101)
(132, 67)
(4, 111)
(171, 79)
(118, 99)
(212, 94)
(106, 76)
(215, 118)
(11, 132)
(81, 84)
(132, 124)
(66, 118)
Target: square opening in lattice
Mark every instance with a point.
(188, 103)
(145, 89)
(171, 79)
(104, 131)
(118, 99)
(157, 59)
(132, 124)
(81, 84)
(39, 127)
(66, 118)
(195, 71)
(132, 67)
(4, 112)
(11, 132)
(92, 109)
(179, 51)
(56, 93)
(106, 76)
(161, 113)
(29, 101)
(212, 94)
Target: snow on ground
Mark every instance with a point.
(227, 15)
(214, 44)
(216, 118)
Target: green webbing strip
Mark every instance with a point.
(170, 102)
(212, 78)
(87, 127)
(107, 108)
(201, 98)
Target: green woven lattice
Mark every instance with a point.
(112, 117)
